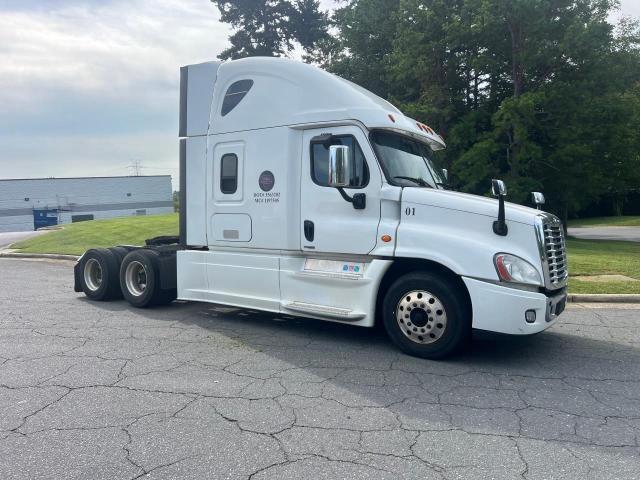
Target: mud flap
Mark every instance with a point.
(77, 272)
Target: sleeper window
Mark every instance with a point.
(235, 93)
(320, 161)
(229, 173)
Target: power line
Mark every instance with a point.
(136, 167)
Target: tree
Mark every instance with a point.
(543, 93)
(361, 50)
(271, 28)
(176, 200)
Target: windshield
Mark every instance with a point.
(407, 162)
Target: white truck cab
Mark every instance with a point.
(305, 194)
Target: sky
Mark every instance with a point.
(90, 87)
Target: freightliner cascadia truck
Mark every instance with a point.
(304, 194)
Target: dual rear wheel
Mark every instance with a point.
(140, 280)
(117, 272)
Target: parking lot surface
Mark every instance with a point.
(7, 238)
(104, 391)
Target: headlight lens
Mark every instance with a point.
(516, 270)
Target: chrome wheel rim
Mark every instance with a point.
(92, 274)
(421, 317)
(135, 276)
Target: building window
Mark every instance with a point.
(81, 218)
(141, 211)
(235, 93)
(320, 161)
(229, 173)
(128, 194)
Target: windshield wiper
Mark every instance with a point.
(418, 181)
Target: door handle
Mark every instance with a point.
(309, 230)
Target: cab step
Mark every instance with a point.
(326, 311)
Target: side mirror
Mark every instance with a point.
(339, 166)
(537, 198)
(445, 173)
(498, 188)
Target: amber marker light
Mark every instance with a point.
(386, 238)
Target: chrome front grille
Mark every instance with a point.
(553, 252)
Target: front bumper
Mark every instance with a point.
(498, 308)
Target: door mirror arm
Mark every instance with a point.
(359, 200)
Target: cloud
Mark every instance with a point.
(89, 86)
(118, 49)
(103, 75)
(629, 8)
(111, 154)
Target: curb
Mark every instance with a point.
(603, 298)
(50, 256)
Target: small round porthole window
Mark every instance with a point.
(235, 93)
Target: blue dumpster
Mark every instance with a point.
(44, 217)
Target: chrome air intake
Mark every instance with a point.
(552, 248)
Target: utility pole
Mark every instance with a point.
(136, 167)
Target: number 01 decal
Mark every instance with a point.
(410, 211)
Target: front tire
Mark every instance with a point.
(426, 315)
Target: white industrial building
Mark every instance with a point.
(28, 204)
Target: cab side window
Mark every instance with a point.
(320, 161)
(229, 173)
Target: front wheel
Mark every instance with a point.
(426, 316)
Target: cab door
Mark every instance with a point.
(329, 223)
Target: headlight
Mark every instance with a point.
(516, 270)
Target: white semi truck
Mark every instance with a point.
(305, 194)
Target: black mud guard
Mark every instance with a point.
(77, 272)
(168, 270)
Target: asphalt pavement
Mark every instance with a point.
(631, 234)
(7, 238)
(104, 391)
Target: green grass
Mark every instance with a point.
(603, 257)
(586, 257)
(577, 286)
(76, 238)
(626, 221)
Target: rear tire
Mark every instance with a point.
(140, 280)
(99, 275)
(426, 316)
(118, 253)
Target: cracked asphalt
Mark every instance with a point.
(104, 391)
